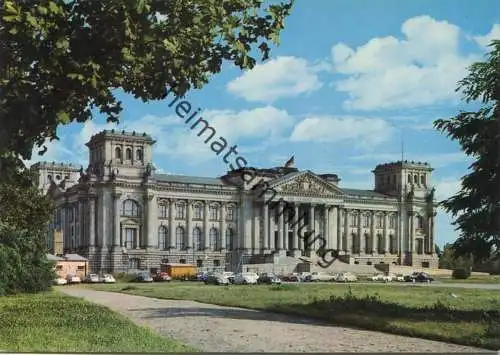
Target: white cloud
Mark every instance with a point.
(484, 41)
(388, 72)
(438, 160)
(278, 78)
(364, 132)
(447, 188)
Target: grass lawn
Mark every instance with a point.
(491, 279)
(51, 322)
(461, 316)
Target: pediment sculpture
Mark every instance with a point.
(305, 184)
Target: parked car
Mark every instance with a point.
(91, 278)
(321, 276)
(381, 277)
(73, 279)
(107, 279)
(229, 275)
(216, 279)
(201, 276)
(161, 277)
(346, 277)
(60, 281)
(269, 279)
(143, 277)
(292, 278)
(399, 277)
(419, 277)
(246, 278)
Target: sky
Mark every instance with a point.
(349, 81)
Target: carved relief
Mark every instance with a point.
(304, 183)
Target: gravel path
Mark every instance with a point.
(228, 329)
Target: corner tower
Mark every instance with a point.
(113, 153)
(402, 177)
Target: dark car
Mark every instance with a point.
(419, 277)
(269, 279)
(201, 276)
(216, 279)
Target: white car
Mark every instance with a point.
(321, 276)
(73, 279)
(246, 278)
(107, 279)
(399, 278)
(60, 281)
(376, 277)
(346, 277)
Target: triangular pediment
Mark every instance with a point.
(304, 182)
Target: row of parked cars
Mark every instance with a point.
(90, 278)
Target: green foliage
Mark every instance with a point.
(461, 273)
(476, 208)
(50, 322)
(23, 226)
(62, 58)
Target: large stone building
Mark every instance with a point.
(123, 216)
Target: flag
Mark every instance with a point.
(290, 163)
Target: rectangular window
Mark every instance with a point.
(214, 213)
(130, 237)
(163, 211)
(380, 221)
(230, 214)
(392, 221)
(180, 211)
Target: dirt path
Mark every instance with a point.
(228, 329)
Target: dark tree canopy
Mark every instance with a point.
(476, 208)
(62, 58)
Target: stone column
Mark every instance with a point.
(374, 238)
(312, 223)
(272, 240)
(296, 221)
(334, 226)
(361, 236)
(412, 232)
(432, 230)
(280, 226)
(171, 228)
(223, 226)
(326, 225)
(92, 235)
(347, 235)
(152, 220)
(189, 224)
(265, 216)
(206, 238)
(255, 245)
(386, 233)
(117, 225)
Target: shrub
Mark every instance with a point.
(23, 262)
(461, 273)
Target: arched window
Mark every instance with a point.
(366, 221)
(197, 212)
(214, 239)
(353, 220)
(138, 154)
(179, 238)
(230, 216)
(128, 154)
(415, 179)
(422, 179)
(392, 221)
(409, 179)
(163, 238)
(229, 238)
(197, 239)
(118, 153)
(379, 221)
(130, 208)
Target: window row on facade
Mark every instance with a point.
(164, 241)
(131, 208)
(129, 151)
(365, 220)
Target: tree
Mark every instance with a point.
(24, 218)
(476, 207)
(63, 58)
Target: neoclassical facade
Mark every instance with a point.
(124, 216)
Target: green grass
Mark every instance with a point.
(51, 322)
(490, 279)
(471, 318)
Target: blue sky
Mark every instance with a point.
(349, 79)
